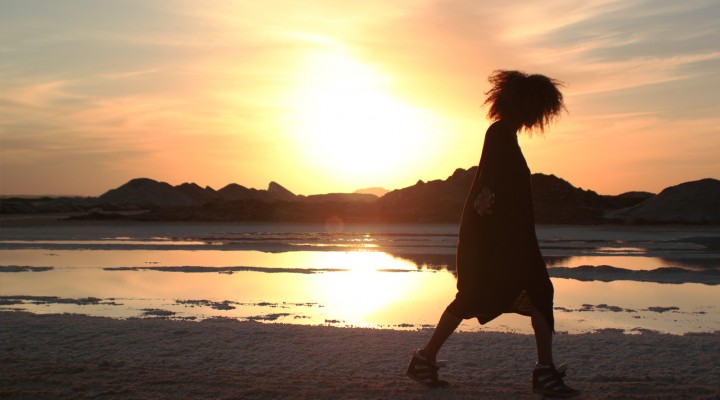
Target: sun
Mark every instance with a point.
(346, 120)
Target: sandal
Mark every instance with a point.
(547, 380)
(424, 371)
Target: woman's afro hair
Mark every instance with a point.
(530, 101)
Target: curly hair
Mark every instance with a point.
(530, 101)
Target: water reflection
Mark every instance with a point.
(108, 242)
(209, 258)
(627, 262)
(354, 288)
(621, 250)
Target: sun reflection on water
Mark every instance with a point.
(365, 289)
(343, 288)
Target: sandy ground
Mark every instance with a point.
(79, 357)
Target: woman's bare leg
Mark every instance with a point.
(449, 322)
(546, 379)
(543, 337)
(445, 327)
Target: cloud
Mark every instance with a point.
(627, 44)
(124, 85)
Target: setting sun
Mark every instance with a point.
(346, 119)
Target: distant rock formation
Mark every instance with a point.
(696, 202)
(628, 199)
(234, 192)
(341, 198)
(149, 193)
(276, 192)
(433, 201)
(196, 194)
(555, 200)
(377, 191)
(43, 205)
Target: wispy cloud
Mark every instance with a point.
(117, 88)
(619, 45)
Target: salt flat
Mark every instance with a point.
(81, 357)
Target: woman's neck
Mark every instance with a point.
(512, 126)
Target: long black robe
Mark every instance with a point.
(498, 255)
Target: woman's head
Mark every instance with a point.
(528, 101)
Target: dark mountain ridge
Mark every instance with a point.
(556, 201)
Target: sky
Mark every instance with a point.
(335, 96)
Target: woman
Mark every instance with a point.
(499, 265)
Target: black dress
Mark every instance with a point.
(499, 264)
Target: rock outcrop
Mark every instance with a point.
(696, 202)
(276, 192)
(556, 201)
(145, 192)
(148, 193)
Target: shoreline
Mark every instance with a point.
(75, 356)
(285, 314)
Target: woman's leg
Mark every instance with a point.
(423, 365)
(543, 337)
(445, 327)
(546, 379)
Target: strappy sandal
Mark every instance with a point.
(425, 371)
(547, 380)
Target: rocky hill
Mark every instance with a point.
(696, 202)
(556, 201)
(433, 201)
(148, 193)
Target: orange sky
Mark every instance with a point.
(334, 96)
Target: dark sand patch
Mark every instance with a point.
(23, 268)
(607, 273)
(85, 301)
(79, 357)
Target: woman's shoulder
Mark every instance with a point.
(499, 130)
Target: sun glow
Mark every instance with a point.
(345, 119)
(364, 293)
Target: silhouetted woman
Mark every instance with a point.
(499, 265)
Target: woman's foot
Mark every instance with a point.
(547, 380)
(425, 371)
